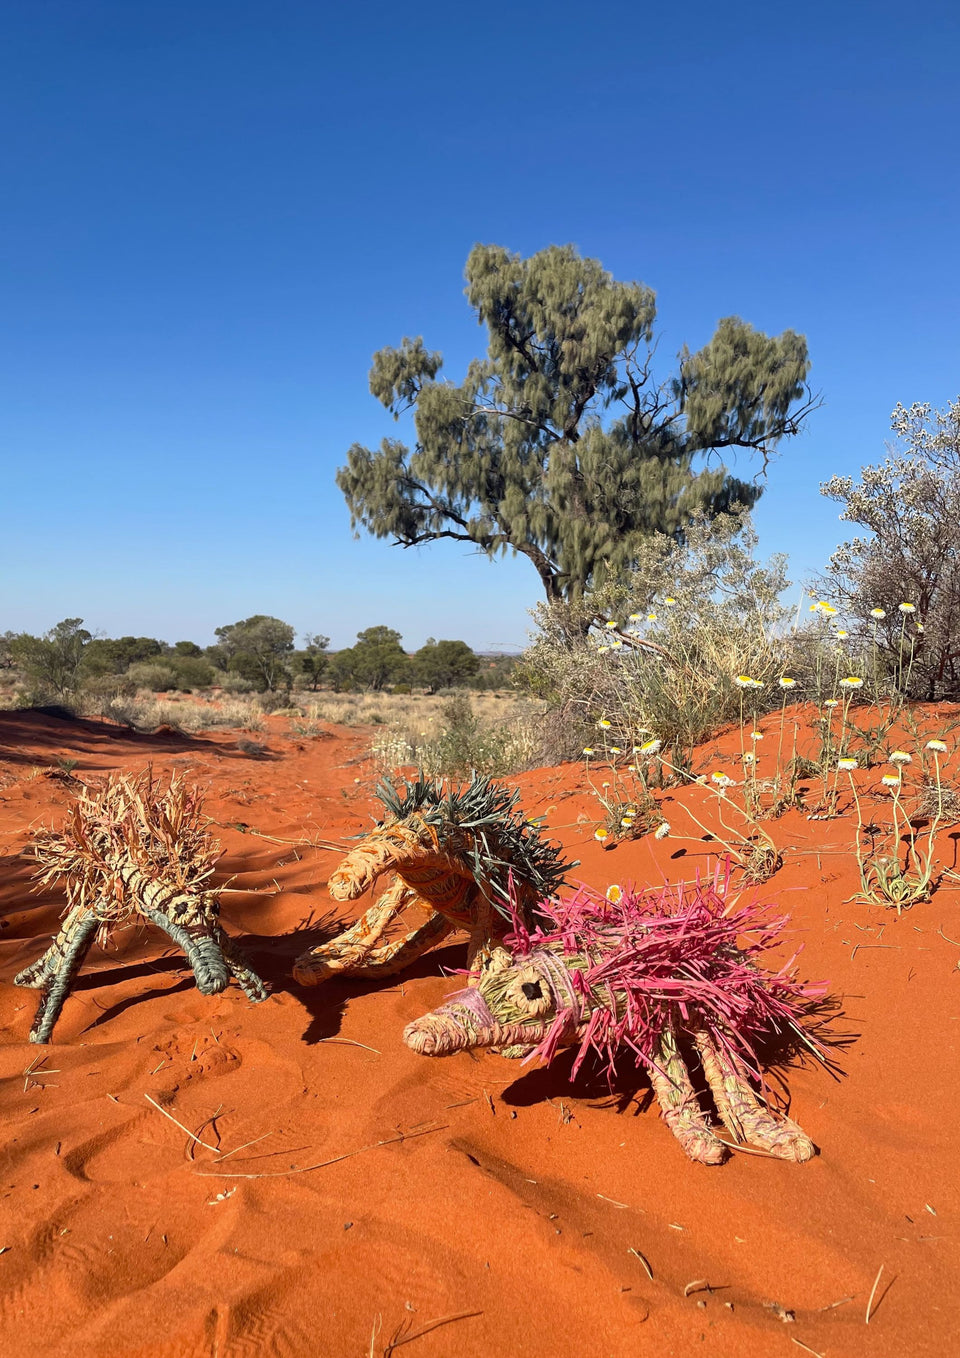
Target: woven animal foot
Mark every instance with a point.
(130, 850)
(212, 955)
(453, 854)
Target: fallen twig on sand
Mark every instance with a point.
(192, 1136)
(400, 1337)
(802, 1345)
(643, 1260)
(873, 1293)
(349, 1042)
(322, 1164)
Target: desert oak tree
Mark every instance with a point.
(560, 444)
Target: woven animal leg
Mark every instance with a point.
(742, 1112)
(392, 957)
(201, 950)
(64, 959)
(253, 987)
(348, 950)
(678, 1101)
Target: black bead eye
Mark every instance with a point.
(532, 990)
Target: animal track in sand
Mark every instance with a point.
(118, 1155)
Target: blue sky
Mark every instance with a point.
(215, 212)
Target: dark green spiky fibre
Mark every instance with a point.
(481, 821)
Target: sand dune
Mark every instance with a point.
(499, 1199)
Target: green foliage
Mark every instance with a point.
(311, 662)
(257, 649)
(115, 655)
(53, 662)
(376, 660)
(154, 675)
(518, 457)
(191, 671)
(189, 649)
(494, 672)
(443, 664)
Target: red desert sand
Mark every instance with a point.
(195, 1175)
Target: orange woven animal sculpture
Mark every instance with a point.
(133, 850)
(461, 855)
(664, 978)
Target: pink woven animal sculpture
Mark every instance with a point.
(661, 976)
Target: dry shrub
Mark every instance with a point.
(461, 735)
(686, 623)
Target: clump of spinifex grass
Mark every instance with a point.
(133, 850)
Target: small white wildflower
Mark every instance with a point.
(614, 892)
(919, 626)
(890, 780)
(600, 834)
(878, 612)
(602, 650)
(610, 623)
(634, 617)
(756, 735)
(851, 681)
(651, 617)
(848, 765)
(626, 823)
(831, 702)
(906, 608)
(901, 757)
(841, 635)
(588, 750)
(648, 747)
(937, 746)
(615, 749)
(786, 682)
(604, 724)
(662, 830)
(744, 681)
(722, 780)
(670, 603)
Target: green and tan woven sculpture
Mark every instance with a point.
(461, 855)
(132, 850)
(666, 979)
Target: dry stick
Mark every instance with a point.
(254, 1142)
(434, 1325)
(746, 1150)
(300, 843)
(204, 1144)
(322, 1164)
(349, 1042)
(873, 1293)
(644, 1261)
(807, 1347)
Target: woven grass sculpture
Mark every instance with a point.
(133, 850)
(464, 855)
(666, 976)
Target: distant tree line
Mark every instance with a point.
(256, 654)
